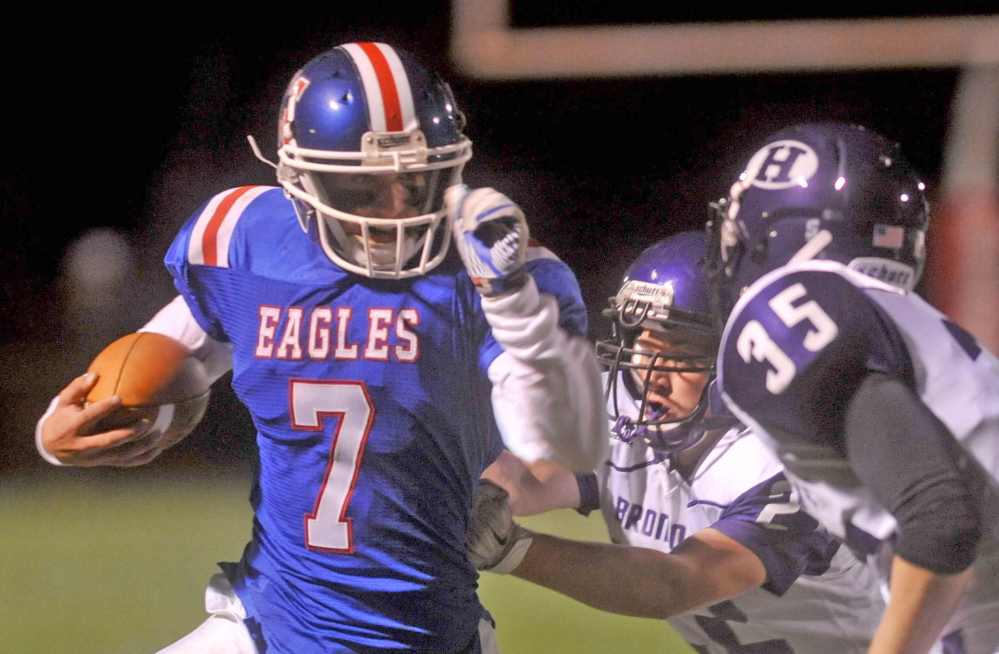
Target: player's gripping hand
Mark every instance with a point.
(494, 541)
(59, 432)
(491, 235)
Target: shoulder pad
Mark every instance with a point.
(212, 228)
(797, 344)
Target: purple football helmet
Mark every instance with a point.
(820, 191)
(352, 119)
(664, 290)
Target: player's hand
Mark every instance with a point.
(494, 541)
(60, 432)
(491, 235)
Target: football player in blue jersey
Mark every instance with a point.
(707, 531)
(884, 412)
(380, 365)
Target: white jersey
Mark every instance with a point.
(955, 377)
(818, 598)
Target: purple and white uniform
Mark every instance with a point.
(796, 346)
(818, 598)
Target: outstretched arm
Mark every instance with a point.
(535, 488)
(547, 394)
(705, 568)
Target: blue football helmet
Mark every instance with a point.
(355, 120)
(820, 191)
(664, 290)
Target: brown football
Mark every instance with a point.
(156, 378)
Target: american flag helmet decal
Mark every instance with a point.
(888, 236)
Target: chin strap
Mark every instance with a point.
(627, 431)
(813, 247)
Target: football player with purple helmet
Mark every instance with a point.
(707, 531)
(884, 412)
(383, 369)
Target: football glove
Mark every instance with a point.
(494, 541)
(490, 232)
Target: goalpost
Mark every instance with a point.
(963, 267)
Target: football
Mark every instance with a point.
(156, 378)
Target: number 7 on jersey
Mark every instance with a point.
(328, 528)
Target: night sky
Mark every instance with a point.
(132, 128)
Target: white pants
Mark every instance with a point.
(225, 633)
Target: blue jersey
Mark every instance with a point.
(372, 407)
(798, 344)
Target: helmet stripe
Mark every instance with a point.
(386, 86)
(209, 244)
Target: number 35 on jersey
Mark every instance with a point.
(782, 338)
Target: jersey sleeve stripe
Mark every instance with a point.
(209, 244)
(386, 86)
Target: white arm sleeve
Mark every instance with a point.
(547, 395)
(174, 320)
(38, 435)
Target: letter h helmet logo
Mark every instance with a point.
(782, 164)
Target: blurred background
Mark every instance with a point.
(613, 126)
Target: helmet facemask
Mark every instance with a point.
(656, 343)
(339, 197)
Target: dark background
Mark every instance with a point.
(129, 122)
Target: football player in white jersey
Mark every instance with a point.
(884, 412)
(707, 531)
